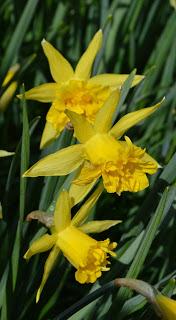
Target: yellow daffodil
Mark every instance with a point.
(74, 90)
(122, 165)
(10, 90)
(89, 256)
(166, 306)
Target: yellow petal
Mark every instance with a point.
(167, 307)
(62, 213)
(83, 212)
(87, 174)
(43, 93)
(60, 68)
(150, 165)
(131, 119)
(59, 163)
(82, 128)
(98, 226)
(4, 153)
(42, 244)
(49, 264)
(49, 135)
(10, 74)
(114, 80)
(78, 193)
(84, 66)
(103, 120)
(8, 95)
(173, 3)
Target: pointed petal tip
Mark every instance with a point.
(24, 175)
(19, 96)
(43, 41)
(27, 255)
(100, 31)
(159, 166)
(118, 221)
(38, 295)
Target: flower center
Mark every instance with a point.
(122, 165)
(128, 172)
(96, 262)
(80, 97)
(102, 148)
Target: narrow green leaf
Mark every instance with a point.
(18, 36)
(23, 184)
(3, 284)
(124, 92)
(13, 169)
(150, 233)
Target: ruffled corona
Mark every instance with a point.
(88, 256)
(122, 165)
(78, 96)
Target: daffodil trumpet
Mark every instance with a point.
(70, 236)
(74, 90)
(122, 165)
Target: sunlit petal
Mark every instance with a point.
(59, 163)
(43, 93)
(42, 244)
(103, 120)
(88, 174)
(62, 213)
(131, 119)
(60, 68)
(10, 74)
(78, 193)
(82, 128)
(150, 164)
(98, 226)
(84, 66)
(114, 80)
(8, 95)
(49, 135)
(49, 264)
(83, 212)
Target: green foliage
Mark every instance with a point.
(138, 34)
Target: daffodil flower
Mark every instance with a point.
(122, 165)
(89, 256)
(74, 90)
